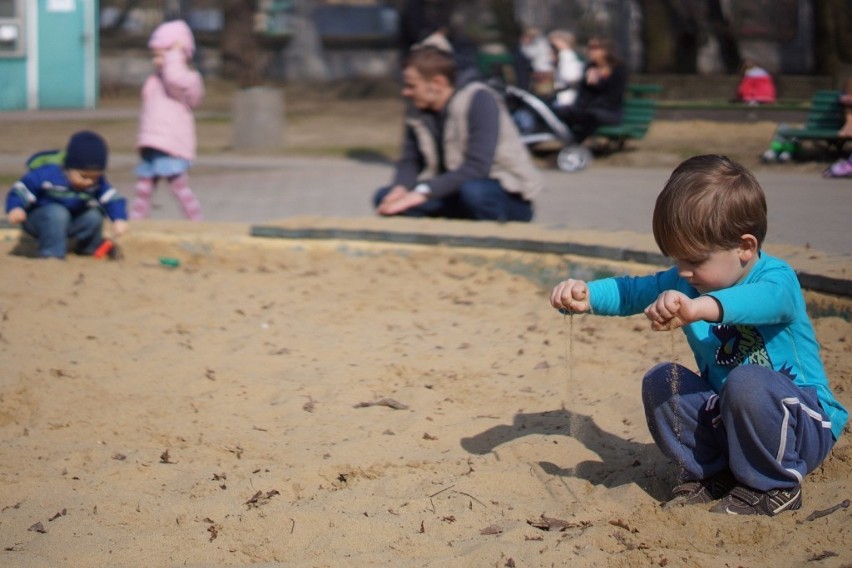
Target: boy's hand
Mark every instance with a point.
(673, 309)
(16, 215)
(570, 296)
(665, 312)
(120, 227)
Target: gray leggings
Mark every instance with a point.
(767, 431)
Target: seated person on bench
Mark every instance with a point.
(846, 103)
(600, 95)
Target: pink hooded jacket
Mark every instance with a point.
(166, 122)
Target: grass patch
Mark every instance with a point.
(6, 180)
(727, 105)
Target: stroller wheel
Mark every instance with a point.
(573, 158)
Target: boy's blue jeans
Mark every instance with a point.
(479, 199)
(53, 224)
(767, 431)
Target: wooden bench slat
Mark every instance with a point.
(825, 118)
(637, 115)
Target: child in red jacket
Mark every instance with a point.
(756, 85)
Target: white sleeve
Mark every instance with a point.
(569, 69)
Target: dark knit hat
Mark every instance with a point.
(86, 151)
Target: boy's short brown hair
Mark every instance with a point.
(707, 204)
(431, 61)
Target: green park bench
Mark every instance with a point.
(643, 90)
(637, 116)
(824, 120)
(638, 113)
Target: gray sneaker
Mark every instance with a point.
(703, 491)
(744, 500)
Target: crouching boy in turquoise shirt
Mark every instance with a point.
(55, 202)
(758, 415)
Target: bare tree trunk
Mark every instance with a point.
(242, 56)
(729, 48)
(116, 26)
(832, 45)
(686, 33)
(510, 29)
(657, 36)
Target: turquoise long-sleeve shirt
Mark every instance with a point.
(764, 322)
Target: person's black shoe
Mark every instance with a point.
(703, 491)
(744, 500)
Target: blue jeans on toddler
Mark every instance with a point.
(53, 224)
(479, 199)
(766, 430)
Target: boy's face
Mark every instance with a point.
(719, 269)
(83, 179)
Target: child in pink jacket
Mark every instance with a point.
(166, 140)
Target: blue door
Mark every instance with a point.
(67, 54)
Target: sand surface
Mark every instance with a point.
(327, 403)
(332, 403)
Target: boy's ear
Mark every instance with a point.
(748, 247)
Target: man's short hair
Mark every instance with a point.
(430, 62)
(707, 204)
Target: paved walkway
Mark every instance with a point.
(805, 210)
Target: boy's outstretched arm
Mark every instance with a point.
(673, 309)
(570, 296)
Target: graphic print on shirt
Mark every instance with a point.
(740, 344)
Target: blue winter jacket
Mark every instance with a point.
(49, 184)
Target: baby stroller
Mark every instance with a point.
(538, 124)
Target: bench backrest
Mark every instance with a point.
(825, 112)
(637, 114)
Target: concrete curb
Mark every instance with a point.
(808, 281)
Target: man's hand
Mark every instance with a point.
(400, 199)
(16, 215)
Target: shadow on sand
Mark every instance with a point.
(622, 460)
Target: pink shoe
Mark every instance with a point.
(840, 169)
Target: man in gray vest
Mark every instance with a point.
(463, 157)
